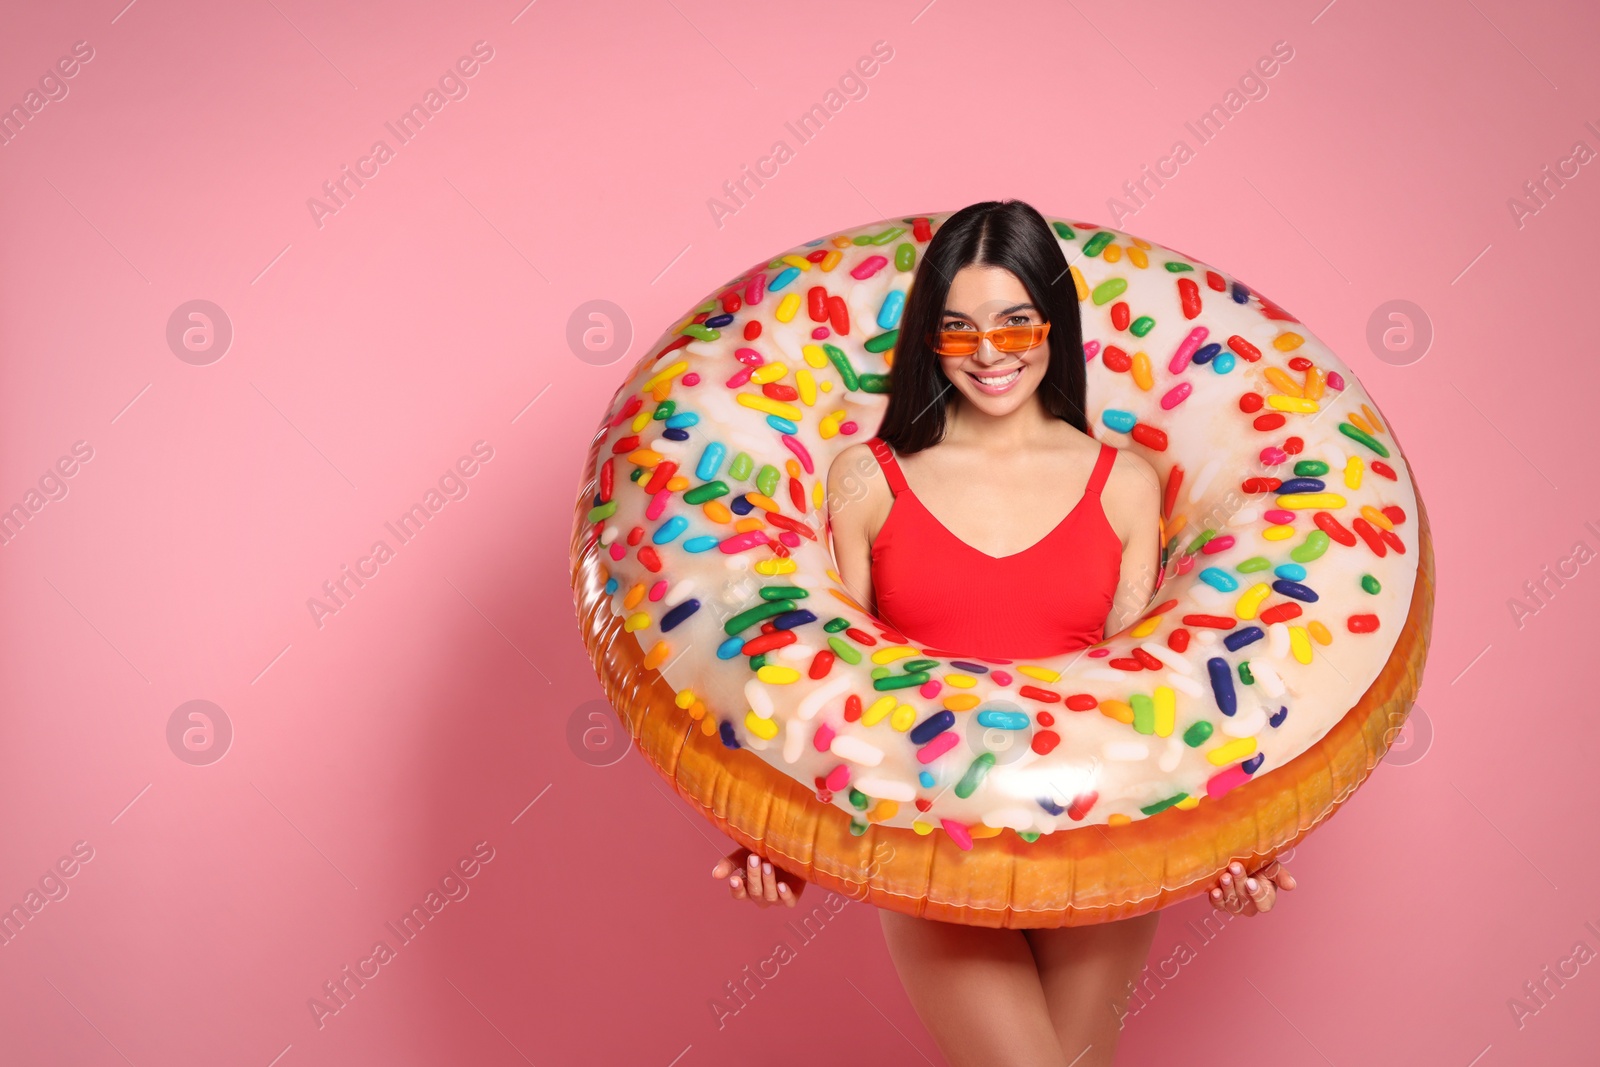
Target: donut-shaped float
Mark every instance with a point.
(1278, 660)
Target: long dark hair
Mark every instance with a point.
(1000, 233)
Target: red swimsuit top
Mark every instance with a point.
(1052, 597)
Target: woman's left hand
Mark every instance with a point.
(1247, 895)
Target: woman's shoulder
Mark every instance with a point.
(855, 474)
(1132, 492)
(1130, 468)
(856, 460)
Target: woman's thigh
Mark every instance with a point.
(976, 989)
(1087, 974)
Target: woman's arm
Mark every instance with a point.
(856, 486)
(1133, 496)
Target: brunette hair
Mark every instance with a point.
(1000, 233)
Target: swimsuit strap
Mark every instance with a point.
(1102, 469)
(889, 465)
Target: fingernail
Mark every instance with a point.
(783, 889)
(1250, 884)
(734, 881)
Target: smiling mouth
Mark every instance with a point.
(996, 380)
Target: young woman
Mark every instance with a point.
(984, 518)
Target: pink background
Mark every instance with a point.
(371, 753)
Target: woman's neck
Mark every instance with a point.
(1025, 427)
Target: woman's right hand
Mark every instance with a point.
(751, 878)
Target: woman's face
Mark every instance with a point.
(983, 298)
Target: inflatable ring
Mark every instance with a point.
(1277, 663)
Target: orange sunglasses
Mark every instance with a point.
(1004, 338)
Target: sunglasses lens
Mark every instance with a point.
(955, 342)
(1017, 338)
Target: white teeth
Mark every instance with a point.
(1001, 380)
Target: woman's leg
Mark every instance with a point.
(1087, 974)
(976, 989)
